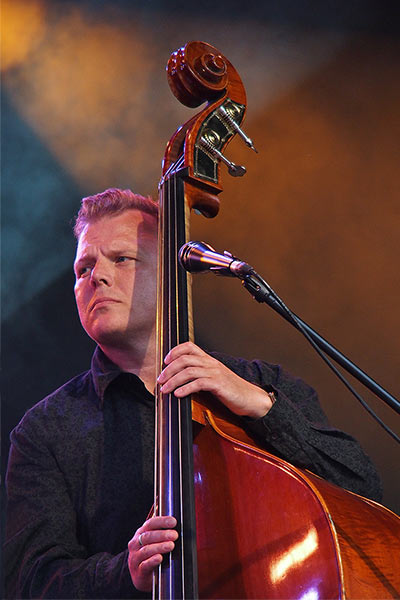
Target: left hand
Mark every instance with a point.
(151, 541)
(189, 369)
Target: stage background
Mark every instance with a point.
(86, 106)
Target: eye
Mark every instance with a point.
(122, 259)
(82, 271)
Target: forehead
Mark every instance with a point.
(132, 227)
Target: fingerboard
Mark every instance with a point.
(176, 577)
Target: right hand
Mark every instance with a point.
(157, 537)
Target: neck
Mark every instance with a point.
(139, 361)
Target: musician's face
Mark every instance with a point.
(115, 269)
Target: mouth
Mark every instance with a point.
(102, 302)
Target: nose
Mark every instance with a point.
(101, 274)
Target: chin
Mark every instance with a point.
(108, 335)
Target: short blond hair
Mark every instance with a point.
(112, 201)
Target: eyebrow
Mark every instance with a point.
(117, 251)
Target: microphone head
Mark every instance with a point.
(191, 256)
(197, 257)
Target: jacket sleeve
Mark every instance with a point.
(43, 558)
(297, 430)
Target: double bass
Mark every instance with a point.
(250, 524)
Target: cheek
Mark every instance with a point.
(79, 298)
(128, 283)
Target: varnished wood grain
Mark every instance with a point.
(269, 530)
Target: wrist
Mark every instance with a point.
(263, 406)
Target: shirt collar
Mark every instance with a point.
(103, 371)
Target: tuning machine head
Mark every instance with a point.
(208, 143)
(227, 114)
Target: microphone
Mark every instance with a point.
(197, 257)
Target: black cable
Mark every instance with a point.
(249, 284)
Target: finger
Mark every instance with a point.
(142, 573)
(142, 558)
(152, 549)
(163, 522)
(186, 361)
(185, 375)
(193, 387)
(159, 525)
(179, 364)
(181, 349)
(147, 552)
(155, 537)
(147, 566)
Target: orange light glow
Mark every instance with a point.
(22, 28)
(84, 92)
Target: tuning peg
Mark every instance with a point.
(226, 116)
(206, 145)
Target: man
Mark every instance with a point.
(80, 470)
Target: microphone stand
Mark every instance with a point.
(262, 292)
